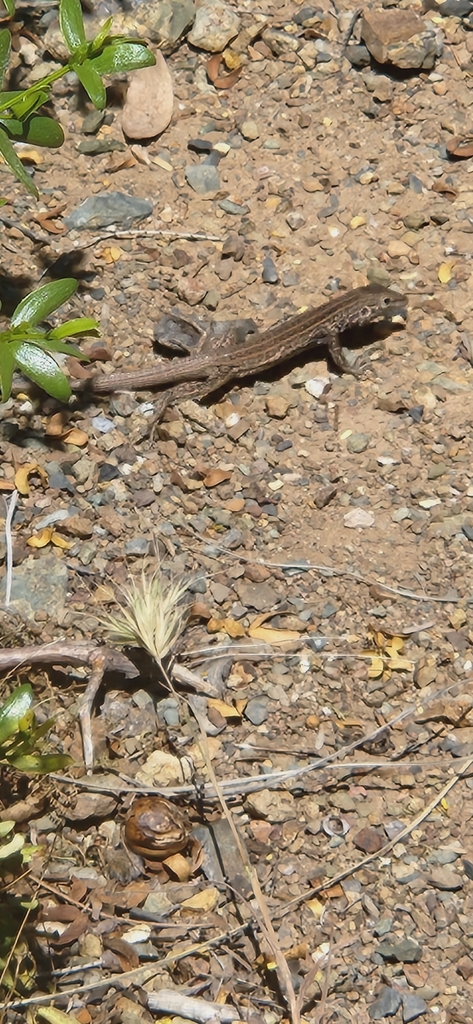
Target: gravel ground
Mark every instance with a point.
(326, 541)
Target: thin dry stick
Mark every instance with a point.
(254, 783)
(120, 981)
(325, 570)
(265, 924)
(319, 1013)
(191, 236)
(172, 792)
(384, 850)
(11, 951)
(11, 506)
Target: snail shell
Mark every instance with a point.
(155, 828)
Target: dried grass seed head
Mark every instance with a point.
(153, 616)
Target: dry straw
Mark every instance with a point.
(153, 616)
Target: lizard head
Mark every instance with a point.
(384, 304)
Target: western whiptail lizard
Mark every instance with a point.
(218, 363)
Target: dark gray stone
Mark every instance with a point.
(412, 1007)
(386, 1005)
(108, 208)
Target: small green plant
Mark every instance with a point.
(21, 736)
(25, 345)
(20, 120)
(15, 848)
(21, 740)
(28, 347)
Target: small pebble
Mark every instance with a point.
(250, 131)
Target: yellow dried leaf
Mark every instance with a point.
(41, 539)
(445, 271)
(22, 474)
(226, 710)
(205, 900)
(214, 625)
(268, 634)
(233, 628)
(48, 536)
(60, 542)
(111, 254)
(379, 639)
(444, 804)
(316, 907)
(376, 667)
(400, 664)
(273, 636)
(54, 1016)
(394, 647)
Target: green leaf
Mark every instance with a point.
(51, 345)
(15, 164)
(37, 130)
(99, 40)
(92, 83)
(43, 131)
(14, 846)
(13, 710)
(122, 57)
(25, 103)
(5, 48)
(7, 366)
(71, 24)
(83, 325)
(10, 7)
(43, 301)
(8, 97)
(42, 369)
(12, 126)
(40, 764)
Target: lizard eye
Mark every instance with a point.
(387, 300)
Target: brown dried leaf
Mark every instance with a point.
(460, 146)
(179, 867)
(57, 424)
(76, 437)
(47, 217)
(444, 189)
(74, 932)
(221, 81)
(119, 163)
(127, 956)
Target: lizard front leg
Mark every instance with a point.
(338, 356)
